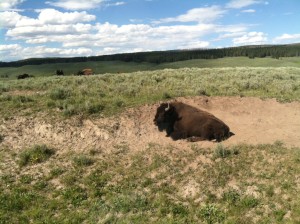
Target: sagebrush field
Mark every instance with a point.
(84, 149)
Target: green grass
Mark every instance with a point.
(34, 155)
(237, 184)
(111, 93)
(128, 67)
(150, 186)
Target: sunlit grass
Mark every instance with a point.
(111, 93)
(257, 185)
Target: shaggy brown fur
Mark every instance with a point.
(182, 121)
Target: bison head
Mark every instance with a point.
(165, 116)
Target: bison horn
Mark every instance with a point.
(168, 108)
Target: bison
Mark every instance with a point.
(23, 76)
(182, 121)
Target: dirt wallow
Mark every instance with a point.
(253, 120)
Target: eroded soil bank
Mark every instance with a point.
(253, 120)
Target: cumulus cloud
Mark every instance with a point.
(9, 19)
(52, 16)
(9, 4)
(25, 32)
(237, 4)
(9, 47)
(287, 38)
(49, 22)
(250, 38)
(47, 17)
(200, 15)
(76, 4)
(16, 52)
(150, 37)
(10, 52)
(75, 33)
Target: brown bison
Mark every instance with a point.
(87, 71)
(182, 121)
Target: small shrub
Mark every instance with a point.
(26, 179)
(69, 109)
(95, 108)
(70, 179)
(82, 160)
(22, 99)
(4, 98)
(279, 214)
(249, 202)
(56, 172)
(221, 152)
(231, 196)
(37, 154)
(270, 191)
(202, 92)
(75, 195)
(179, 209)
(119, 103)
(59, 94)
(212, 214)
(166, 96)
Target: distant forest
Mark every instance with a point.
(274, 51)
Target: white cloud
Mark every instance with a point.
(75, 34)
(76, 4)
(9, 47)
(237, 4)
(9, 4)
(17, 52)
(47, 17)
(251, 38)
(201, 15)
(115, 4)
(9, 19)
(10, 52)
(287, 38)
(24, 32)
(194, 45)
(150, 37)
(230, 35)
(49, 22)
(52, 16)
(249, 10)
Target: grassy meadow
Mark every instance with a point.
(239, 184)
(102, 67)
(111, 93)
(157, 184)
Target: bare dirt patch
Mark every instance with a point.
(253, 120)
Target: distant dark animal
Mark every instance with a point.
(24, 76)
(59, 72)
(182, 121)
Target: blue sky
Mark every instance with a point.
(70, 28)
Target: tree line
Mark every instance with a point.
(261, 51)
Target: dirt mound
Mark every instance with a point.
(254, 121)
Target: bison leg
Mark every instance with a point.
(175, 135)
(169, 130)
(195, 139)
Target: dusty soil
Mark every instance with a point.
(253, 120)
